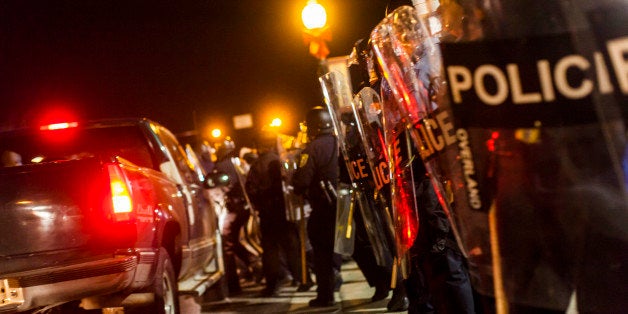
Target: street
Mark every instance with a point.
(354, 297)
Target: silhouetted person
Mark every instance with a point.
(264, 185)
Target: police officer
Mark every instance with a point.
(264, 185)
(316, 179)
(236, 217)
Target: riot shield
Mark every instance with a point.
(289, 150)
(338, 99)
(293, 202)
(367, 108)
(345, 225)
(406, 56)
(539, 123)
(402, 191)
(251, 232)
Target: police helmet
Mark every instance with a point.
(318, 121)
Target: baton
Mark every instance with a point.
(302, 238)
(322, 184)
(348, 233)
(330, 187)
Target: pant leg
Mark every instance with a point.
(321, 236)
(231, 240)
(290, 245)
(449, 282)
(242, 217)
(417, 291)
(271, 263)
(376, 275)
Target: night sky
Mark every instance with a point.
(180, 63)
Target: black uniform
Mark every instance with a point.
(439, 278)
(264, 187)
(319, 163)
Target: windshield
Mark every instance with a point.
(32, 147)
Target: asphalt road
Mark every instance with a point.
(354, 297)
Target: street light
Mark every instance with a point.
(316, 32)
(275, 123)
(314, 15)
(216, 133)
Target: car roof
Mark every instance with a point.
(95, 123)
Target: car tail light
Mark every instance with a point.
(120, 193)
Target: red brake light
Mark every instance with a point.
(120, 193)
(58, 126)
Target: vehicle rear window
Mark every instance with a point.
(32, 147)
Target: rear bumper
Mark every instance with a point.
(26, 290)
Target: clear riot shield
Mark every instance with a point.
(367, 108)
(338, 99)
(289, 149)
(294, 203)
(410, 63)
(345, 225)
(251, 234)
(297, 209)
(402, 189)
(539, 112)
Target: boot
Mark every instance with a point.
(399, 301)
(305, 286)
(381, 292)
(337, 281)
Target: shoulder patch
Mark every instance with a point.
(303, 160)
